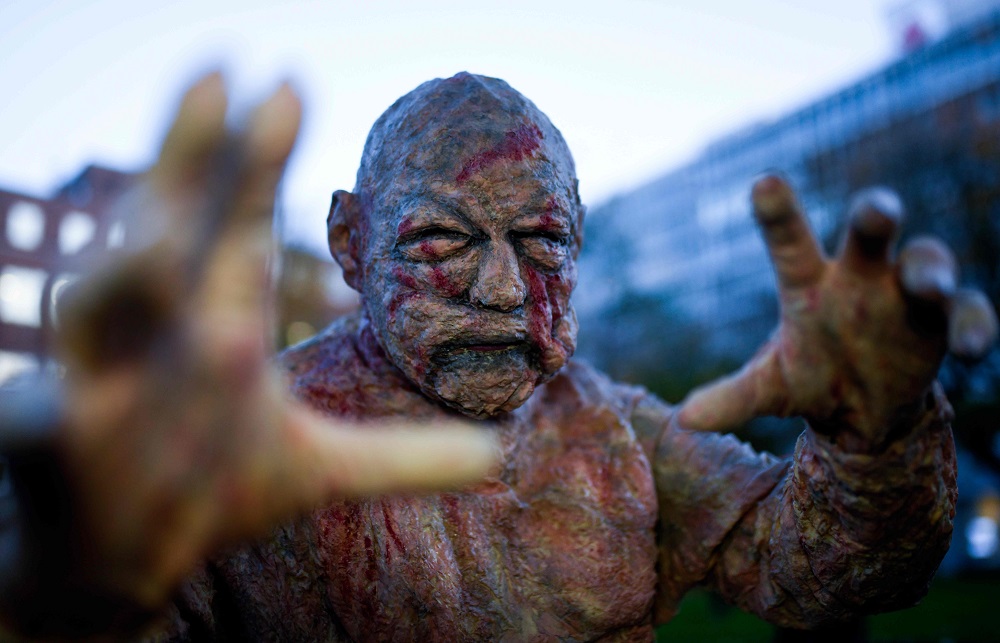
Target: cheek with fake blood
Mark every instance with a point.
(445, 279)
(552, 321)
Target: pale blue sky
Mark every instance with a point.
(635, 86)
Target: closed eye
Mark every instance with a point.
(434, 243)
(546, 249)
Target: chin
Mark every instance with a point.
(483, 382)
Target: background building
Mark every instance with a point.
(675, 286)
(926, 125)
(46, 243)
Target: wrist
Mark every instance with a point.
(873, 433)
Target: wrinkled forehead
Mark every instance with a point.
(451, 132)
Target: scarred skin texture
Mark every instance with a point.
(461, 235)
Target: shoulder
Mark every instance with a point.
(327, 371)
(589, 391)
(342, 372)
(331, 349)
(581, 382)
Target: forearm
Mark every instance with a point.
(848, 533)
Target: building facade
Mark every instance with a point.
(44, 245)
(691, 234)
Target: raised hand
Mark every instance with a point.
(178, 436)
(861, 335)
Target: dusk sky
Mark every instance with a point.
(636, 87)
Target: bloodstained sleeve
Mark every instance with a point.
(819, 538)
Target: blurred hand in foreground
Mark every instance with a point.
(178, 436)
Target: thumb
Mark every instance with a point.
(756, 389)
(316, 459)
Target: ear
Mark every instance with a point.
(344, 235)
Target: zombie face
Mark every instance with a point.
(462, 236)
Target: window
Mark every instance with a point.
(25, 225)
(12, 364)
(21, 295)
(75, 232)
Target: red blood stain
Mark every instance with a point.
(339, 533)
(451, 509)
(400, 299)
(539, 320)
(443, 283)
(370, 569)
(393, 308)
(404, 227)
(427, 248)
(421, 364)
(547, 220)
(392, 533)
(351, 523)
(405, 278)
(554, 287)
(517, 144)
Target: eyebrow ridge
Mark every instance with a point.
(447, 207)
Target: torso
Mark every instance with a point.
(559, 546)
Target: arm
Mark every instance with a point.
(863, 516)
(824, 536)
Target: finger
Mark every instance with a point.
(234, 287)
(797, 258)
(972, 324)
(320, 460)
(194, 137)
(732, 401)
(270, 138)
(928, 270)
(874, 215)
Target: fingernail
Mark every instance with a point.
(972, 344)
(928, 280)
(772, 198)
(880, 199)
(876, 212)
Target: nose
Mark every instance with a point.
(498, 283)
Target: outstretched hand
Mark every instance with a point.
(861, 335)
(179, 436)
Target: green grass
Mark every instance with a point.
(954, 610)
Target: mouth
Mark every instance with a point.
(490, 347)
(482, 348)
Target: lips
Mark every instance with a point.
(487, 343)
(488, 348)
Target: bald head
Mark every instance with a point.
(455, 127)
